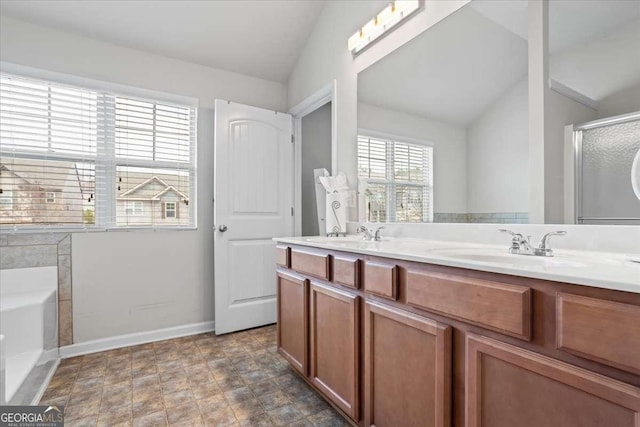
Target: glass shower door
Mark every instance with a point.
(605, 153)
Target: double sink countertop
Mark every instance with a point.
(597, 269)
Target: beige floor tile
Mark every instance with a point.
(155, 419)
(232, 380)
(178, 398)
(147, 407)
(76, 412)
(222, 417)
(115, 416)
(185, 412)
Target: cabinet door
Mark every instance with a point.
(293, 300)
(507, 386)
(335, 346)
(407, 369)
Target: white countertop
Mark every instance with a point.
(597, 269)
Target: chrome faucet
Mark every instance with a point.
(369, 234)
(521, 245)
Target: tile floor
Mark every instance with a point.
(232, 380)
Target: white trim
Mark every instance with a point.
(558, 87)
(396, 138)
(609, 121)
(91, 84)
(314, 101)
(328, 93)
(171, 187)
(569, 175)
(142, 184)
(52, 370)
(136, 338)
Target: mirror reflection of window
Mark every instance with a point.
(462, 85)
(399, 177)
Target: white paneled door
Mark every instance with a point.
(253, 203)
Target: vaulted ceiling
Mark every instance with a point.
(252, 37)
(455, 70)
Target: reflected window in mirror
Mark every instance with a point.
(399, 179)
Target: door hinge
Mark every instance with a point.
(293, 138)
(291, 211)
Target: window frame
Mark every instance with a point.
(391, 183)
(104, 160)
(174, 210)
(6, 195)
(132, 205)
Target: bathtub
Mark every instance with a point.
(28, 330)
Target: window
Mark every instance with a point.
(134, 209)
(400, 179)
(72, 156)
(170, 209)
(6, 200)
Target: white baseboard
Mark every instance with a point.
(45, 383)
(119, 341)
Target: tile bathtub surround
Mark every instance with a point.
(490, 217)
(232, 380)
(43, 250)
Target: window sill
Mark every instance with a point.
(6, 231)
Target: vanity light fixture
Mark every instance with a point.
(395, 12)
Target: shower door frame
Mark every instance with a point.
(577, 160)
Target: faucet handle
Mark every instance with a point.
(544, 243)
(376, 236)
(512, 233)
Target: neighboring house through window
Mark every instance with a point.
(94, 157)
(6, 199)
(399, 176)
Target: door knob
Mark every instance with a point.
(222, 228)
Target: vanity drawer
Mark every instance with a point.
(282, 255)
(346, 271)
(381, 279)
(492, 305)
(316, 264)
(605, 331)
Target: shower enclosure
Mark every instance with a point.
(605, 177)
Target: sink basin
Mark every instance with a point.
(498, 257)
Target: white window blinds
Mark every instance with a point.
(77, 157)
(154, 163)
(399, 177)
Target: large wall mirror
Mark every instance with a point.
(443, 122)
(594, 60)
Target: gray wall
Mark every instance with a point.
(316, 153)
(107, 292)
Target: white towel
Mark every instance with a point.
(335, 184)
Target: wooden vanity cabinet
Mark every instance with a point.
(508, 386)
(396, 343)
(334, 338)
(293, 320)
(407, 375)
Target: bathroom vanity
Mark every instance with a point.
(419, 337)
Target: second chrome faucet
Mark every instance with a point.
(521, 245)
(370, 235)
